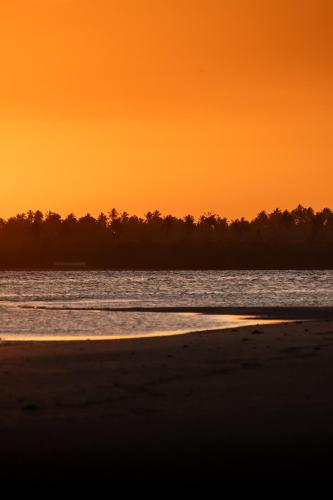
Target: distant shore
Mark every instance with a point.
(283, 239)
(248, 403)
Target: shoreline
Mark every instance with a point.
(155, 335)
(114, 338)
(191, 408)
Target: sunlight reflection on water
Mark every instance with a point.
(59, 293)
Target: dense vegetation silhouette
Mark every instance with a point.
(300, 238)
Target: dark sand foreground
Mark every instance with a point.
(254, 403)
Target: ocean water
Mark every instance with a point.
(65, 304)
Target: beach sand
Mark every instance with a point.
(250, 404)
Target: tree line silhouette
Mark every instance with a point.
(300, 238)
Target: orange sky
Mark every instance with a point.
(180, 105)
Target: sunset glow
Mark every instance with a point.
(180, 105)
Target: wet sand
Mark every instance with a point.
(250, 404)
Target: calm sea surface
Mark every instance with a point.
(44, 304)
